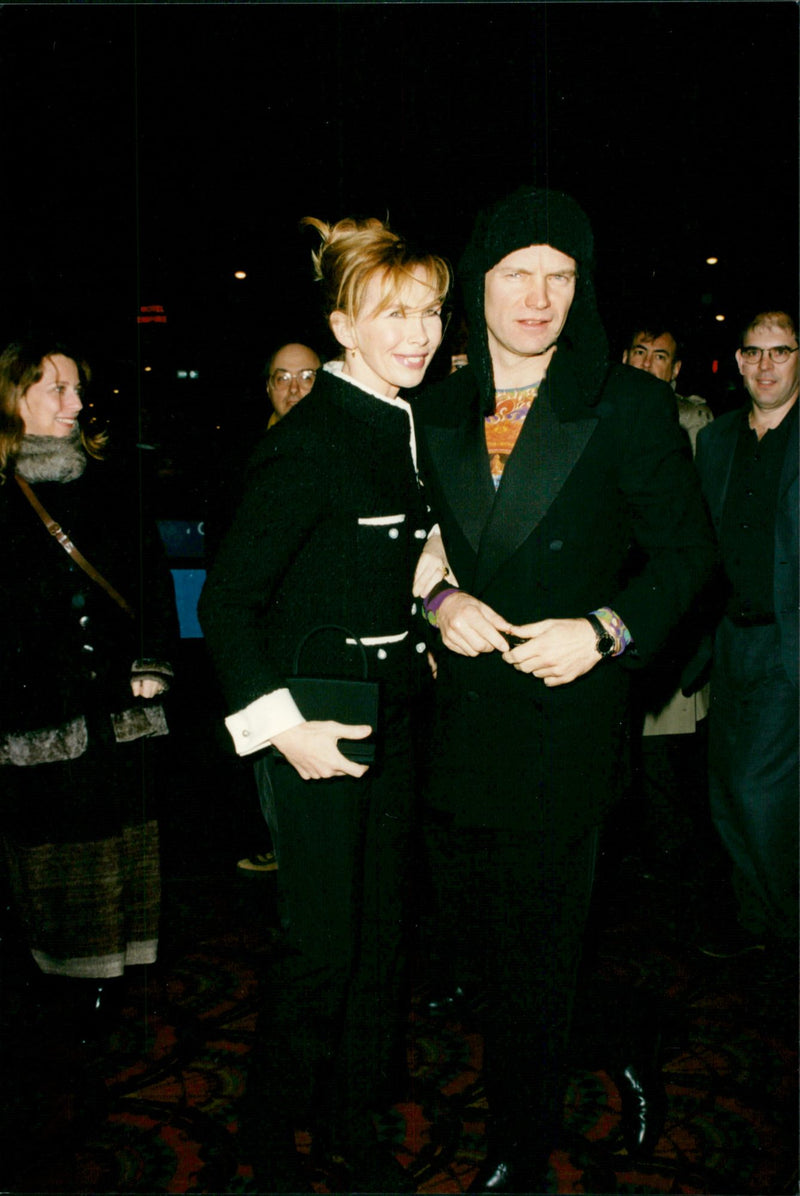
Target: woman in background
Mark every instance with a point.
(78, 677)
(327, 537)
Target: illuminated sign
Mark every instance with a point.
(153, 314)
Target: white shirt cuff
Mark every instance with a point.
(254, 727)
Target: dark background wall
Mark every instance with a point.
(152, 150)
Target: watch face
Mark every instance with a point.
(605, 645)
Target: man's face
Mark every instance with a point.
(658, 357)
(526, 303)
(770, 385)
(291, 377)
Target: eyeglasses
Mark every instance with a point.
(778, 353)
(284, 378)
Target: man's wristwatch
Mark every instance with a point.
(605, 643)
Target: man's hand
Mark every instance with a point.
(432, 566)
(470, 627)
(311, 749)
(555, 650)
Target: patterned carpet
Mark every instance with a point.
(153, 1107)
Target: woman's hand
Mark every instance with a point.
(432, 566)
(311, 749)
(147, 687)
(470, 627)
(556, 651)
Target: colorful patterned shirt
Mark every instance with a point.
(505, 424)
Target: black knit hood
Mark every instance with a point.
(533, 216)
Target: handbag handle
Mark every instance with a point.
(328, 627)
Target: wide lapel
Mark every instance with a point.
(543, 458)
(719, 461)
(461, 466)
(790, 461)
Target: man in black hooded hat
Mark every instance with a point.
(572, 520)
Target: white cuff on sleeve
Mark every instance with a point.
(253, 728)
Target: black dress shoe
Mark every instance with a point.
(644, 1109)
(370, 1163)
(731, 942)
(444, 1004)
(509, 1175)
(281, 1175)
(377, 1170)
(91, 1008)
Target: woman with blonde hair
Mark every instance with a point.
(324, 545)
(81, 672)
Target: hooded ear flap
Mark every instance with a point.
(342, 328)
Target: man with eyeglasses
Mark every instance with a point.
(290, 373)
(748, 462)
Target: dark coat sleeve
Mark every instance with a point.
(68, 648)
(283, 503)
(673, 547)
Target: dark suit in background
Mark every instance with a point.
(751, 486)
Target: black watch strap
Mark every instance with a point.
(606, 643)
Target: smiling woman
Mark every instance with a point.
(42, 396)
(326, 540)
(390, 345)
(78, 680)
(384, 305)
(50, 407)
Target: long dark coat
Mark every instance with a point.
(68, 650)
(599, 505)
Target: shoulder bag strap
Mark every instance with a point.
(63, 539)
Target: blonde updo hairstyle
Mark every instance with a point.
(352, 251)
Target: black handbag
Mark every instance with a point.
(344, 699)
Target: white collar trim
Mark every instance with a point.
(336, 368)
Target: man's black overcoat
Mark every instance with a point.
(599, 505)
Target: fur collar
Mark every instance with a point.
(51, 458)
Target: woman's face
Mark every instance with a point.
(394, 346)
(50, 407)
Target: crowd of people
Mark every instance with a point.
(538, 567)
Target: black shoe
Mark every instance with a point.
(445, 1004)
(371, 1165)
(266, 1141)
(731, 942)
(281, 1174)
(373, 1168)
(510, 1174)
(644, 1108)
(92, 1008)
